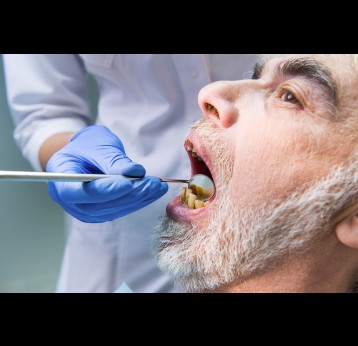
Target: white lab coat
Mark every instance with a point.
(149, 101)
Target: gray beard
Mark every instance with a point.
(239, 244)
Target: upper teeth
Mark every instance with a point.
(189, 148)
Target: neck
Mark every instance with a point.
(329, 267)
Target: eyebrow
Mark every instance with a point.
(308, 68)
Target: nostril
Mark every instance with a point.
(211, 109)
(208, 107)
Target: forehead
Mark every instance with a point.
(339, 65)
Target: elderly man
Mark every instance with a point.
(282, 151)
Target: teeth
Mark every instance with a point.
(189, 197)
(195, 154)
(187, 193)
(182, 195)
(200, 192)
(189, 147)
(198, 203)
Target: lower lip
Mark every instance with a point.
(182, 213)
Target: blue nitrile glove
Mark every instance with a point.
(96, 149)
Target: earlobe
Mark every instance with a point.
(347, 230)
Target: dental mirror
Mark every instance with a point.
(202, 186)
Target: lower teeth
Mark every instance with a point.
(191, 199)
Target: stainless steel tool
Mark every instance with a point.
(200, 180)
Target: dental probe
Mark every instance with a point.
(200, 180)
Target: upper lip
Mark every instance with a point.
(204, 167)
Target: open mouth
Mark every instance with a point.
(189, 201)
(198, 164)
(187, 206)
(191, 196)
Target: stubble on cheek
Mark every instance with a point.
(273, 162)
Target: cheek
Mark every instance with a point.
(275, 159)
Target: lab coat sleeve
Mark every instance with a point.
(46, 95)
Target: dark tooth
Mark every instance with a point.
(182, 195)
(188, 146)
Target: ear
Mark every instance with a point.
(347, 230)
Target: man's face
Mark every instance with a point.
(263, 141)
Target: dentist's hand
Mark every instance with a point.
(96, 149)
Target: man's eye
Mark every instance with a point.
(289, 97)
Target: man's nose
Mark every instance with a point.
(220, 100)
